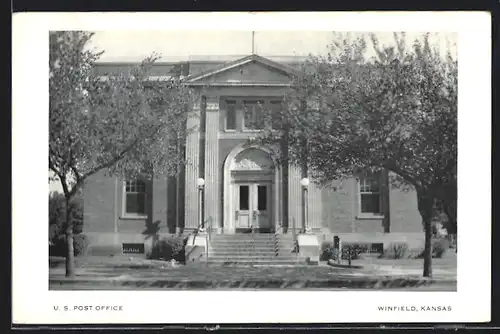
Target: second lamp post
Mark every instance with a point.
(305, 183)
(200, 183)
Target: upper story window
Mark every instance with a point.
(369, 191)
(135, 198)
(253, 112)
(275, 109)
(230, 115)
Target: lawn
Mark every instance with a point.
(130, 273)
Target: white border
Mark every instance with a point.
(32, 302)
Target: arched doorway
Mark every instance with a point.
(251, 189)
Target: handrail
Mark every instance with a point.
(276, 241)
(200, 228)
(208, 226)
(197, 230)
(208, 237)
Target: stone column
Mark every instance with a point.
(294, 198)
(212, 186)
(277, 221)
(192, 167)
(315, 206)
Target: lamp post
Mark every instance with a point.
(305, 183)
(200, 183)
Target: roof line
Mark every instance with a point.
(239, 62)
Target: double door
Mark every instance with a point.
(253, 205)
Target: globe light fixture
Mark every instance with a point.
(304, 182)
(200, 182)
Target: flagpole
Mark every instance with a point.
(253, 40)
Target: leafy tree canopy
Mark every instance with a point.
(347, 114)
(123, 123)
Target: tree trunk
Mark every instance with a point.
(70, 254)
(426, 208)
(451, 213)
(428, 248)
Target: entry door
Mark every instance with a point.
(262, 205)
(243, 214)
(253, 205)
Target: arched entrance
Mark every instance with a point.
(251, 181)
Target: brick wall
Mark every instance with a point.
(99, 204)
(340, 206)
(404, 213)
(337, 204)
(103, 219)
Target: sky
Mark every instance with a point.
(180, 45)
(135, 45)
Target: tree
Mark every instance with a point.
(396, 112)
(123, 123)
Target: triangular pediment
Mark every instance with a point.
(251, 70)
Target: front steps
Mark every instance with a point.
(253, 249)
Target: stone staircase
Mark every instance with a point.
(253, 249)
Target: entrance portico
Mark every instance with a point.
(251, 192)
(243, 185)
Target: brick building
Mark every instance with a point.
(243, 187)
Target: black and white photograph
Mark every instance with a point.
(251, 161)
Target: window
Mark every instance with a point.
(369, 190)
(262, 198)
(135, 198)
(253, 115)
(244, 197)
(231, 115)
(276, 109)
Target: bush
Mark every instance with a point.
(439, 248)
(328, 252)
(170, 248)
(396, 250)
(57, 215)
(354, 250)
(80, 245)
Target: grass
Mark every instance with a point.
(132, 273)
(122, 273)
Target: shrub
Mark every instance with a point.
(439, 248)
(80, 245)
(354, 250)
(396, 250)
(328, 252)
(168, 248)
(57, 215)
